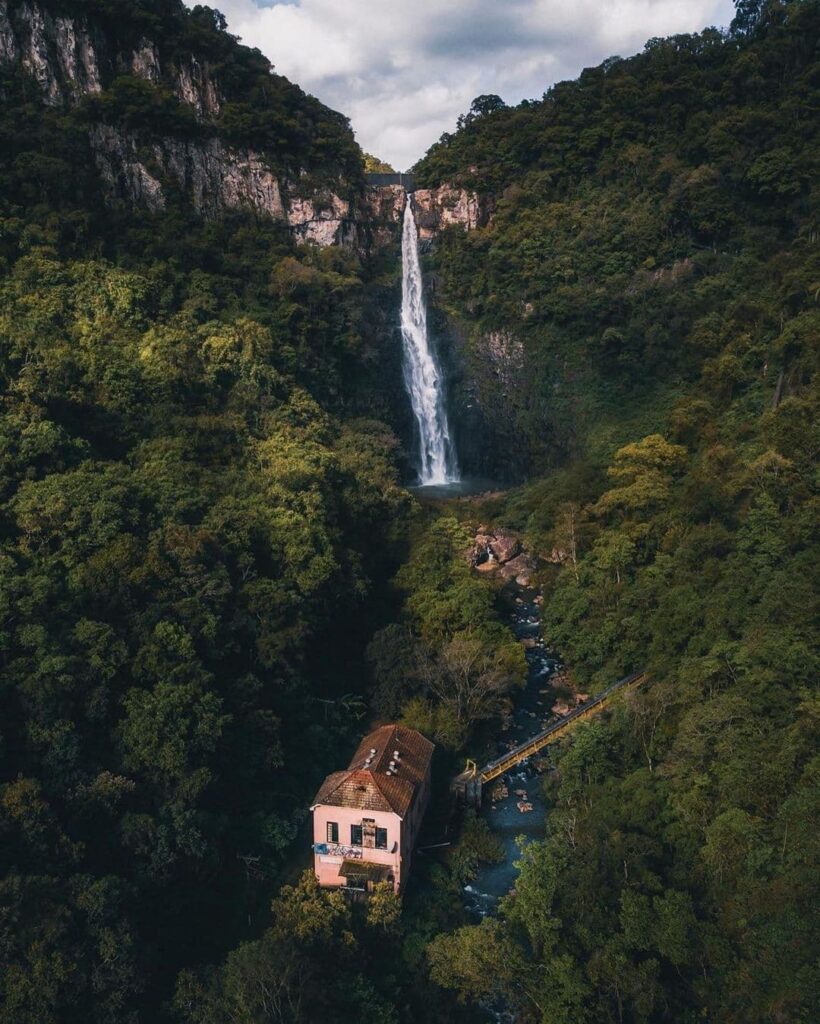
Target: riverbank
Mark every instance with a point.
(513, 805)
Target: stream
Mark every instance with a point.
(530, 713)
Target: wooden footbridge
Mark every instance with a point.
(468, 785)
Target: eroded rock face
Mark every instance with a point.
(505, 354)
(69, 61)
(31, 48)
(494, 548)
(216, 177)
(70, 58)
(197, 87)
(8, 40)
(145, 61)
(489, 398)
(504, 545)
(385, 203)
(442, 207)
(434, 210)
(519, 569)
(123, 175)
(325, 220)
(382, 210)
(78, 57)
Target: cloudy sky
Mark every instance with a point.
(403, 70)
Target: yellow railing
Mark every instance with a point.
(543, 739)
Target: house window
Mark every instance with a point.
(355, 835)
(368, 833)
(333, 831)
(381, 838)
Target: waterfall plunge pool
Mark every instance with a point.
(471, 485)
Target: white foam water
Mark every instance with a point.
(422, 374)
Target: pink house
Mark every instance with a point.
(366, 818)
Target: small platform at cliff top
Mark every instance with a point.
(376, 180)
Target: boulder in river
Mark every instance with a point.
(504, 545)
(521, 565)
(480, 552)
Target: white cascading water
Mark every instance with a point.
(422, 376)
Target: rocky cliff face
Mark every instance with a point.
(439, 208)
(486, 383)
(59, 53)
(71, 59)
(434, 209)
(382, 209)
(490, 401)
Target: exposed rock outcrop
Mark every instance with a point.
(382, 209)
(327, 222)
(385, 203)
(197, 87)
(439, 208)
(504, 545)
(216, 177)
(519, 569)
(505, 354)
(434, 210)
(489, 395)
(661, 277)
(499, 552)
(71, 59)
(145, 61)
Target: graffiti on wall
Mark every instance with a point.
(335, 850)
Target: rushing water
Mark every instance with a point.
(513, 827)
(422, 374)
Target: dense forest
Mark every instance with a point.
(213, 577)
(654, 254)
(198, 513)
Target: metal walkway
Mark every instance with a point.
(375, 179)
(471, 781)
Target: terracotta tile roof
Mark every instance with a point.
(366, 785)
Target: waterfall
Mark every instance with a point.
(422, 375)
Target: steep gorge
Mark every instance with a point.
(203, 438)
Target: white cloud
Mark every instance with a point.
(403, 70)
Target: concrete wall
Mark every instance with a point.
(326, 865)
(407, 181)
